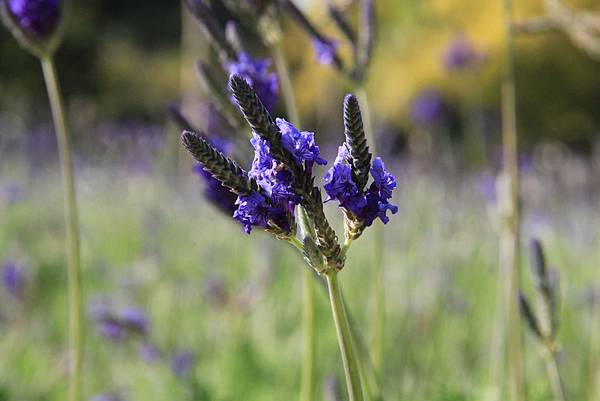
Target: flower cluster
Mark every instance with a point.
(256, 73)
(461, 55)
(13, 279)
(364, 206)
(281, 179)
(277, 198)
(116, 325)
(38, 19)
(325, 51)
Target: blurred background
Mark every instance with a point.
(216, 314)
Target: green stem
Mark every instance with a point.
(71, 226)
(307, 386)
(378, 277)
(556, 382)
(349, 359)
(510, 233)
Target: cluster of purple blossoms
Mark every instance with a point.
(325, 50)
(13, 279)
(214, 191)
(256, 73)
(119, 324)
(37, 19)
(461, 55)
(367, 205)
(277, 199)
(428, 108)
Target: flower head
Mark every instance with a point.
(38, 19)
(428, 108)
(363, 206)
(325, 51)
(13, 279)
(301, 144)
(256, 73)
(461, 55)
(182, 363)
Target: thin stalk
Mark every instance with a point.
(556, 383)
(349, 358)
(71, 227)
(378, 276)
(509, 244)
(307, 385)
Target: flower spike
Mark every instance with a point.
(356, 141)
(221, 167)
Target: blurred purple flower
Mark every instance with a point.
(182, 363)
(117, 325)
(37, 19)
(485, 184)
(461, 55)
(428, 108)
(11, 194)
(325, 51)
(256, 73)
(148, 352)
(13, 279)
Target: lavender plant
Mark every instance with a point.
(543, 321)
(37, 25)
(279, 190)
(327, 50)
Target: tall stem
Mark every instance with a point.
(556, 382)
(509, 245)
(307, 386)
(378, 276)
(349, 359)
(71, 227)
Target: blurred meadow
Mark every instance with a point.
(214, 314)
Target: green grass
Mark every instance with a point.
(151, 241)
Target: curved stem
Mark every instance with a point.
(509, 243)
(307, 386)
(378, 276)
(71, 227)
(349, 359)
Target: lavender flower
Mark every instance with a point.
(461, 55)
(363, 206)
(118, 325)
(428, 108)
(13, 279)
(325, 51)
(148, 352)
(37, 19)
(300, 144)
(182, 363)
(256, 73)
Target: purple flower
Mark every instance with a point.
(340, 185)
(253, 210)
(461, 55)
(182, 363)
(256, 73)
(148, 352)
(300, 144)
(214, 191)
(428, 108)
(13, 279)
(37, 19)
(325, 51)
(134, 320)
(118, 325)
(364, 206)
